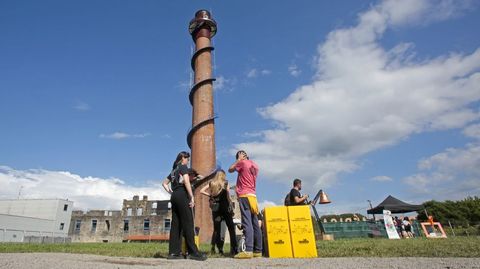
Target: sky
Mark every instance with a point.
(362, 99)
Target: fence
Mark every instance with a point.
(356, 229)
(25, 236)
(459, 228)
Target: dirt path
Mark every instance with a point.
(74, 261)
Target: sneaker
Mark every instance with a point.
(175, 257)
(244, 255)
(197, 256)
(257, 254)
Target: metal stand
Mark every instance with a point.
(317, 218)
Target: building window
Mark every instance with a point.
(167, 224)
(65, 207)
(154, 205)
(129, 211)
(139, 211)
(146, 224)
(94, 225)
(107, 223)
(78, 223)
(61, 226)
(125, 225)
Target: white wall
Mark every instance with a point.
(34, 217)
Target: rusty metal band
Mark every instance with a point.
(197, 86)
(205, 179)
(196, 127)
(197, 53)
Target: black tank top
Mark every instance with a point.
(222, 199)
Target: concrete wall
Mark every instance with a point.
(27, 218)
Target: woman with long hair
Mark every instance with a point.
(408, 227)
(182, 202)
(221, 205)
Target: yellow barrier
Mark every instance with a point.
(184, 245)
(302, 233)
(278, 232)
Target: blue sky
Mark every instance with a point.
(362, 99)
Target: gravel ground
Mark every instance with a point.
(74, 261)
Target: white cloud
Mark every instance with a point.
(225, 84)
(253, 73)
(86, 192)
(265, 72)
(365, 97)
(423, 12)
(452, 174)
(121, 135)
(184, 85)
(472, 131)
(252, 134)
(81, 106)
(382, 178)
(266, 203)
(294, 71)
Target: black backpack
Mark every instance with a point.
(287, 201)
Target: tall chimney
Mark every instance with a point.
(201, 138)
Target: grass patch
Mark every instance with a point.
(362, 247)
(106, 249)
(143, 250)
(416, 247)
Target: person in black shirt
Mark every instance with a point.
(295, 197)
(221, 205)
(182, 202)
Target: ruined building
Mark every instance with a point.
(139, 220)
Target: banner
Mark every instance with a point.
(389, 225)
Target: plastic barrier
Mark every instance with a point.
(184, 245)
(278, 232)
(302, 233)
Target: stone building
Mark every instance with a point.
(139, 220)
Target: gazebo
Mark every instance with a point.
(395, 206)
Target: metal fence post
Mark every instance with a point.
(451, 228)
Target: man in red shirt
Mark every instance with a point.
(246, 182)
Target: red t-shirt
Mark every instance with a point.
(247, 177)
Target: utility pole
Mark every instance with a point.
(19, 192)
(370, 202)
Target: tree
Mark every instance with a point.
(460, 213)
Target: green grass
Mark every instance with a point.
(416, 247)
(365, 247)
(145, 250)
(106, 249)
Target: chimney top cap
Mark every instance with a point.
(203, 20)
(203, 14)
